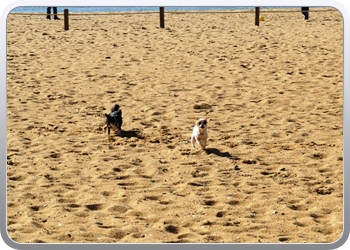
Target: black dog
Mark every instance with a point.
(114, 120)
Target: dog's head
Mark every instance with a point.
(202, 123)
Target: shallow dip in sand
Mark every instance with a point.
(272, 170)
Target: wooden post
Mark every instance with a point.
(305, 11)
(66, 21)
(161, 14)
(257, 15)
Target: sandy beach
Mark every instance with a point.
(272, 171)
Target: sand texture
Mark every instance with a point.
(273, 94)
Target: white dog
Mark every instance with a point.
(200, 133)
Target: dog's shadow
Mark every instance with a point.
(132, 134)
(217, 152)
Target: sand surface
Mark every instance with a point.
(273, 168)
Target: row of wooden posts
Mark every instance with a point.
(161, 16)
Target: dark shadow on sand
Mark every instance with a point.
(217, 152)
(132, 133)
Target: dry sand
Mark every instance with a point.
(273, 168)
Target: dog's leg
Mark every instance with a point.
(105, 128)
(108, 126)
(119, 132)
(201, 144)
(193, 142)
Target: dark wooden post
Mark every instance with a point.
(305, 11)
(161, 14)
(66, 21)
(257, 15)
